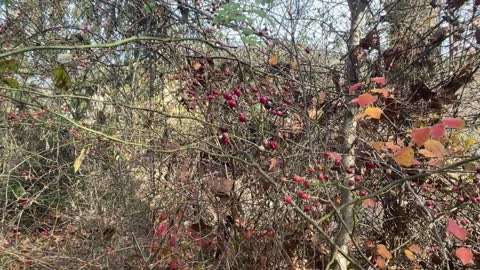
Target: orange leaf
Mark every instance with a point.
(366, 99)
(374, 112)
(426, 153)
(456, 230)
(438, 131)
(273, 164)
(379, 146)
(404, 157)
(274, 60)
(465, 255)
(379, 80)
(392, 146)
(420, 135)
(380, 262)
(354, 88)
(385, 92)
(415, 248)
(384, 252)
(436, 148)
(453, 122)
(410, 255)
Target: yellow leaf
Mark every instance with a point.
(469, 142)
(359, 116)
(410, 255)
(274, 60)
(383, 91)
(384, 252)
(436, 148)
(404, 156)
(374, 112)
(79, 160)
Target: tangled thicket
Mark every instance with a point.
(239, 135)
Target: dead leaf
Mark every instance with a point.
(384, 252)
(415, 248)
(380, 262)
(379, 146)
(426, 153)
(385, 92)
(366, 99)
(404, 157)
(436, 148)
(273, 164)
(274, 60)
(410, 255)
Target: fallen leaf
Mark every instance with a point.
(335, 155)
(404, 157)
(465, 255)
(354, 88)
(366, 99)
(409, 254)
(436, 163)
(438, 131)
(274, 60)
(456, 230)
(384, 252)
(359, 116)
(392, 146)
(420, 135)
(379, 80)
(436, 148)
(374, 112)
(453, 122)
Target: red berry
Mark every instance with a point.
(363, 192)
(307, 208)
(242, 118)
(311, 170)
(298, 179)
(351, 182)
(307, 183)
(210, 97)
(280, 113)
(338, 163)
(273, 145)
(232, 104)
(370, 165)
(461, 199)
(478, 170)
(429, 203)
(224, 130)
(457, 189)
(228, 96)
(463, 222)
(216, 92)
(321, 177)
(225, 138)
(357, 178)
(349, 171)
(288, 199)
(326, 176)
(237, 92)
(326, 154)
(263, 100)
(303, 195)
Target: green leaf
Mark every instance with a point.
(62, 79)
(11, 82)
(17, 189)
(79, 160)
(8, 65)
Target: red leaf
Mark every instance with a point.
(438, 131)
(161, 230)
(379, 80)
(354, 88)
(465, 255)
(453, 122)
(370, 203)
(456, 230)
(420, 135)
(366, 99)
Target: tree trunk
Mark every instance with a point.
(357, 11)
